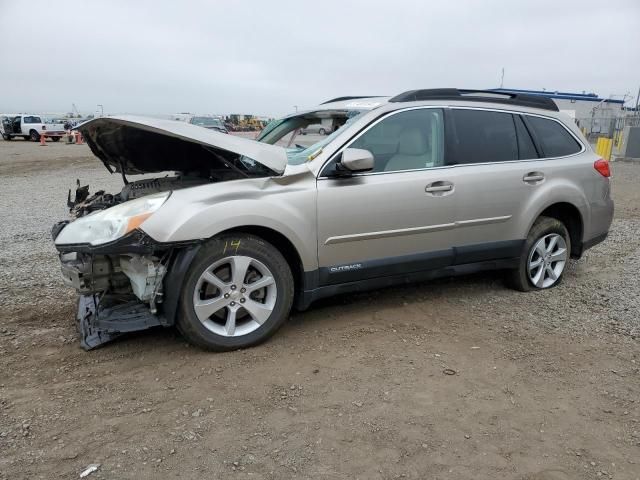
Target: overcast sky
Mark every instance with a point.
(264, 57)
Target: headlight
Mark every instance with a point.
(110, 224)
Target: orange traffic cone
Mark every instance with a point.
(43, 139)
(78, 138)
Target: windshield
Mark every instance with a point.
(288, 132)
(301, 154)
(206, 122)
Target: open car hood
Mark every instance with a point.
(133, 145)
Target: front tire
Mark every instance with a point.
(6, 137)
(238, 292)
(543, 258)
(35, 136)
(55, 139)
(322, 131)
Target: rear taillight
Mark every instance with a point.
(602, 166)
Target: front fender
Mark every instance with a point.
(203, 212)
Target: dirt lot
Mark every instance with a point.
(546, 385)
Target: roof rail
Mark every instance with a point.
(344, 99)
(492, 96)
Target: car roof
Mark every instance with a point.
(485, 105)
(455, 95)
(491, 96)
(488, 99)
(347, 103)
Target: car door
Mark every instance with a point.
(18, 125)
(397, 218)
(497, 172)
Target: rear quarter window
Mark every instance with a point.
(555, 139)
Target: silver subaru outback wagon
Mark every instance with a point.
(235, 232)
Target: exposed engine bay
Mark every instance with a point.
(118, 293)
(84, 203)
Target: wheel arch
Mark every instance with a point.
(283, 244)
(184, 256)
(572, 218)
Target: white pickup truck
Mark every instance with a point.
(29, 127)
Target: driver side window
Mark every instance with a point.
(409, 140)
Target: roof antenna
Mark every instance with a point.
(502, 79)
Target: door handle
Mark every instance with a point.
(533, 177)
(439, 187)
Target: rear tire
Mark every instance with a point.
(544, 256)
(6, 137)
(322, 131)
(55, 139)
(222, 305)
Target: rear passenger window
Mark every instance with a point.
(526, 148)
(554, 139)
(480, 136)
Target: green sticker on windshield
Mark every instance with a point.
(314, 154)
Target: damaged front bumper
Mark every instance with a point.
(122, 286)
(101, 319)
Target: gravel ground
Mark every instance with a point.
(546, 385)
(34, 194)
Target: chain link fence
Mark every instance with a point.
(607, 127)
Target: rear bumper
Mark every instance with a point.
(601, 219)
(586, 245)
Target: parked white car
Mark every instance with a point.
(319, 128)
(29, 127)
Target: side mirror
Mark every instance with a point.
(355, 160)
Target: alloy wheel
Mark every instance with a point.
(234, 296)
(547, 260)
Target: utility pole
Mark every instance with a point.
(637, 100)
(502, 79)
(296, 107)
